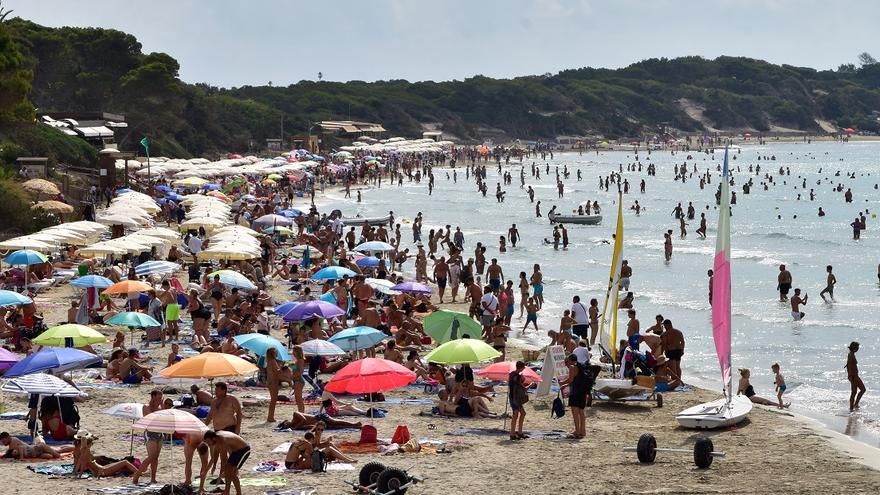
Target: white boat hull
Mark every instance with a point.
(715, 414)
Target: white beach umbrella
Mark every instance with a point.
(42, 384)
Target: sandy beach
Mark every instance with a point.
(773, 452)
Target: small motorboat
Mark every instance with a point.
(575, 219)
(359, 221)
(716, 414)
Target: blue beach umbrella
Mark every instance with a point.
(12, 298)
(333, 273)
(57, 359)
(369, 261)
(354, 338)
(123, 191)
(95, 281)
(374, 246)
(158, 266)
(259, 343)
(25, 257)
(284, 308)
(292, 212)
(211, 187)
(174, 197)
(164, 189)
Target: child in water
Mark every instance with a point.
(780, 385)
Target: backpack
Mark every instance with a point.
(319, 461)
(558, 408)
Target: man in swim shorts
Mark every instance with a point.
(441, 273)
(796, 302)
(784, 283)
(234, 449)
(537, 282)
(172, 311)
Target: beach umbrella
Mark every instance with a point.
(53, 207)
(284, 308)
(279, 230)
(127, 286)
(55, 359)
(162, 188)
(70, 335)
(369, 261)
(159, 266)
(444, 326)
(462, 351)
(313, 309)
(190, 182)
(320, 347)
(233, 279)
(42, 384)
(119, 220)
(95, 281)
(41, 186)
(209, 365)
(127, 410)
(259, 344)
(12, 298)
(25, 257)
(133, 319)
(208, 223)
(274, 220)
(300, 251)
(370, 375)
(413, 288)
(212, 187)
(360, 337)
(229, 252)
(382, 285)
(374, 246)
(500, 372)
(25, 242)
(7, 359)
(292, 212)
(170, 421)
(333, 273)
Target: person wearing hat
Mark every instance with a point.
(84, 460)
(852, 374)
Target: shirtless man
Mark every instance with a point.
(537, 282)
(831, 281)
(362, 293)
(852, 374)
(495, 274)
(796, 302)
(474, 293)
(441, 275)
(626, 272)
(392, 354)
(783, 282)
(667, 245)
(632, 327)
(513, 235)
(168, 297)
(672, 341)
(194, 443)
(225, 412)
(201, 397)
(235, 451)
(131, 371)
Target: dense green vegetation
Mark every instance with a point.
(88, 69)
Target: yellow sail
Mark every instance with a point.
(609, 340)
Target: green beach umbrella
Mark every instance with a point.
(444, 326)
(462, 351)
(70, 335)
(133, 319)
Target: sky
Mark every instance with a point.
(252, 42)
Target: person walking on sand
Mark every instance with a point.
(783, 282)
(517, 396)
(796, 302)
(831, 281)
(852, 374)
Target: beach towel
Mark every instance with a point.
(278, 467)
(498, 432)
(13, 415)
(62, 457)
(308, 490)
(128, 489)
(275, 481)
(409, 402)
(48, 440)
(52, 469)
(306, 428)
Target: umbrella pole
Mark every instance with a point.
(131, 439)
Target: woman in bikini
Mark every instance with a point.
(745, 388)
(85, 461)
(273, 381)
(216, 289)
(297, 368)
(523, 292)
(200, 316)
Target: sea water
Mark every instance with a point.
(764, 234)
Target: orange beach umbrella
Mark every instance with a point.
(127, 286)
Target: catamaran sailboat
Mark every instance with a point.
(731, 409)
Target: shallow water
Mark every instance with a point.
(812, 352)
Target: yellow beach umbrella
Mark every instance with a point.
(191, 182)
(70, 335)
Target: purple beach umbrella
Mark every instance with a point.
(413, 288)
(313, 309)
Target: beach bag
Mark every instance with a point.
(558, 409)
(368, 434)
(401, 435)
(319, 461)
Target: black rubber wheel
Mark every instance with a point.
(703, 452)
(647, 448)
(659, 400)
(390, 481)
(370, 473)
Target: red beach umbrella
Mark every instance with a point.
(500, 372)
(370, 375)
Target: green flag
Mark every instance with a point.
(145, 142)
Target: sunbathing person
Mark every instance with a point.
(84, 461)
(327, 442)
(299, 455)
(334, 408)
(302, 420)
(473, 407)
(414, 364)
(20, 450)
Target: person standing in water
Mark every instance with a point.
(852, 374)
(829, 285)
(783, 283)
(796, 302)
